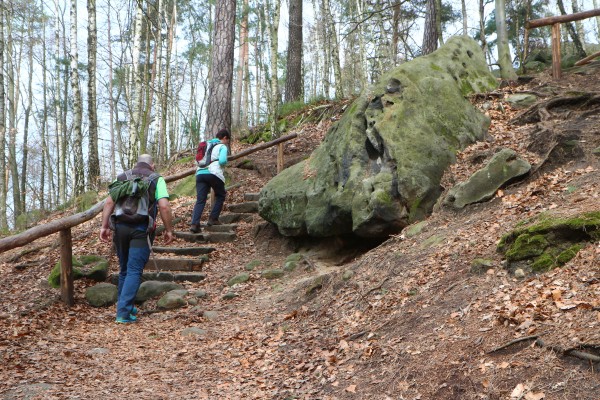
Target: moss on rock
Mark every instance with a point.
(549, 241)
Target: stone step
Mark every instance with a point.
(251, 196)
(165, 277)
(247, 207)
(219, 228)
(235, 217)
(203, 237)
(174, 264)
(184, 251)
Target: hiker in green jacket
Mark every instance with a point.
(134, 227)
(211, 177)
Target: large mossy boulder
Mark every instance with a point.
(548, 241)
(379, 168)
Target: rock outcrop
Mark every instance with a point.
(379, 168)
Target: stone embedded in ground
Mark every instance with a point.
(101, 295)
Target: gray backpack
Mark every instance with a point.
(132, 200)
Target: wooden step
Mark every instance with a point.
(247, 207)
(184, 251)
(235, 217)
(251, 196)
(203, 237)
(174, 264)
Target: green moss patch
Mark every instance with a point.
(90, 266)
(549, 242)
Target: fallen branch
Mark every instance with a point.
(519, 340)
(569, 352)
(587, 60)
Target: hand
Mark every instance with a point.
(105, 234)
(168, 237)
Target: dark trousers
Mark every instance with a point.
(205, 182)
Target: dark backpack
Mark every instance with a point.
(132, 199)
(205, 160)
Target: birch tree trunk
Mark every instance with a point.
(29, 95)
(111, 103)
(596, 6)
(14, 63)
(464, 17)
(294, 83)
(335, 55)
(274, 37)
(3, 186)
(221, 82)
(79, 184)
(60, 134)
(504, 60)
(92, 40)
(47, 170)
(579, 24)
(136, 88)
(242, 63)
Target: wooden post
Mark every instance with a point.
(66, 267)
(279, 157)
(556, 72)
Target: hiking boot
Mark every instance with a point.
(129, 320)
(194, 228)
(134, 311)
(212, 222)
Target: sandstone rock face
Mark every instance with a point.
(380, 166)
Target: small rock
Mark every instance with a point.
(210, 315)
(193, 332)
(519, 273)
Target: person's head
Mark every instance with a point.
(224, 134)
(147, 159)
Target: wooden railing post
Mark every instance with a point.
(66, 267)
(556, 72)
(279, 157)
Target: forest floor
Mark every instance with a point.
(408, 319)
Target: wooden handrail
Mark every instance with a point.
(69, 222)
(536, 23)
(555, 22)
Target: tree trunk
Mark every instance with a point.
(14, 63)
(3, 186)
(46, 167)
(136, 90)
(482, 38)
(92, 40)
(111, 103)
(464, 17)
(79, 184)
(274, 36)
(60, 134)
(220, 87)
(597, 6)
(504, 60)
(438, 21)
(242, 62)
(430, 35)
(579, 24)
(572, 32)
(294, 84)
(27, 118)
(335, 55)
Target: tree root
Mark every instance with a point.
(549, 109)
(573, 352)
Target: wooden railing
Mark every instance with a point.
(65, 224)
(555, 22)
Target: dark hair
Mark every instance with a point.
(223, 133)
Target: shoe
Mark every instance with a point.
(134, 311)
(194, 228)
(129, 320)
(212, 222)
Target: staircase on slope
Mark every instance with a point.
(188, 265)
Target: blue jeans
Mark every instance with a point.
(204, 182)
(133, 250)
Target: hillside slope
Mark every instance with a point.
(409, 319)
